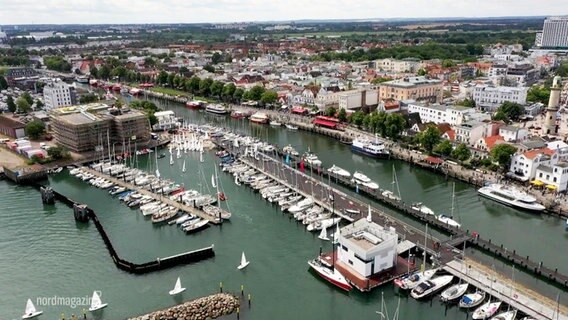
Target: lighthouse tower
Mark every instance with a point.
(552, 110)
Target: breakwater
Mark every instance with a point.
(209, 307)
(125, 265)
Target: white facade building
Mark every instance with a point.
(554, 33)
(166, 120)
(524, 165)
(555, 175)
(367, 247)
(355, 99)
(490, 98)
(470, 132)
(57, 93)
(513, 134)
(453, 115)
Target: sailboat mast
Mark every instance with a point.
(425, 246)
(217, 186)
(453, 199)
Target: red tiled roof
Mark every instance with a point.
(490, 141)
(531, 154)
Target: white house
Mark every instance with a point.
(454, 115)
(513, 134)
(490, 98)
(367, 247)
(57, 93)
(561, 149)
(524, 164)
(470, 132)
(554, 175)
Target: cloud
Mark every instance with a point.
(192, 11)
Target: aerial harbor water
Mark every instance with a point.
(47, 254)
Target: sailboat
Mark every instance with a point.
(449, 220)
(244, 262)
(96, 303)
(201, 156)
(456, 291)
(488, 309)
(171, 159)
(509, 314)
(31, 311)
(183, 167)
(323, 234)
(213, 181)
(390, 193)
(237, 182)
(177, 288)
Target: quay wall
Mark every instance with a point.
(209, 307)
(138, 268)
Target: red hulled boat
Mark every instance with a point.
(332, 276)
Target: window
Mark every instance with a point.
(344, 248)
(540, 175)
(350, 262)
(554, 179)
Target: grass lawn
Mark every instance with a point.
(170, 91)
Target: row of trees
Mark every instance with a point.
(146, 106)
(57, 63)
(388, 125)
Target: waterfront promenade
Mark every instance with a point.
(155, 196)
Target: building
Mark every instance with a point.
(555, 176)
(554, 34)
(513, 134)
(454, 115)
(166, 120)
(3, 36)
(11, 127)
(356, 99)
(367, 248)
(490, 98)
(470, 132)
(21, 77)
(524, 164)
(92, 127)
(550, 126)
(415, 88)
(389, 65)
(57, 93)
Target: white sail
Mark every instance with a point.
(201, 156)
(177, 288)
(243, 259)
(183, 167)
(96, 301)
(323, 234)
(171, 159)
(157, 173)
(30, 308)
(369, 215)
(213, 181)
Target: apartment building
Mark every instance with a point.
(57, 93)
(415, 88)
(554, 33)
(490, 98)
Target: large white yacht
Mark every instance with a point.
(375, 149)
(511, 196)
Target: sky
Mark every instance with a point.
(194, 11)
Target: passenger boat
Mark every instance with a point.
(511, 197)
(216, 109)
(331, 275)
(375, 149)
(259, 117)
(339, 171)
(429, 287)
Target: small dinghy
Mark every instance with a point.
(177, 288)
(244, 262)
(31, 311)
(96, 303)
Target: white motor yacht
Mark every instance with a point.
(430, 287)
(511, 197)
(339, 171)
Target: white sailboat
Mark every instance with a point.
(171, 159)
(96, 303)
(323, 234)
(183, 167)
(244, 262)
(201, 156)
(237, 182)
(177, 288)
(213, 181)
(449, 220)
(31, 311)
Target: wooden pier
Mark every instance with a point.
(155, 196)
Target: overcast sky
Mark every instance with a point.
(191, 11)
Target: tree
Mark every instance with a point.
(35, 129)
(205, 86)
(394, 124)
(255, 93)
(238, 94)
(39, 104)
(429, 138)
(422, 72)
(509, 111)
(330, 111)
(11, 105)
(152, 118)
(461, 152)
(192, 85)
(269, 97)
(94, 72)
(448, 63)
(162, 77)
(171, 78)
(88, 98)
(357, 118)
(342, 115)
(502, 154)
(444, 148)
(23, 105)
(216, 58)
(119, 72)
(26, 95)
(468, 103)
(104, 72)
(57, 153)
(3, 83)
(57, 63)
(217, 88)
(228, 91)
(209, 68)
(538, 94)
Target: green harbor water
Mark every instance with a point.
(45, 253)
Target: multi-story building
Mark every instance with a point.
(524, 164)
(408, 65)
(356, 99)
(92, 127)
(490, 98)
(367, 248)
(57, 93)
(415, 88)
(470, 132)
(436, 113)
(513, 134)
(554, 33)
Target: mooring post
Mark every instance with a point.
(221, 287)
(238, 313)
(249, 299)
(242, 290)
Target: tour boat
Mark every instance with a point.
(430, 287)
(31, 311)
(259, 117)
(454, 292)
(244, 262)
(472, 300)
(411, 281)
(96, 303)
(291, 127)
(177, 288)
(216, 109)
(486, 310)
(419, 206)
(339, 171)
(331, 275)
(511, 197)
(507, 315)
(375, 149)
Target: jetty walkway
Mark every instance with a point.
(158, 197)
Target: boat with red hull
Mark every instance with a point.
(332, 276)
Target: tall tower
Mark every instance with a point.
(553, 102)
